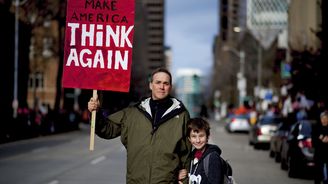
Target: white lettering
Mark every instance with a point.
(109, 59)
(73, 26)
(98, 59)
(87, 34)
(124, 36)
(99, 35)
(94, 34)
(89, 61)
(114, 35)
(72, 57)
(122, 61)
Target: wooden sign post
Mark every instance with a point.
(93, 124)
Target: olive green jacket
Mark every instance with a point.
(154, 154)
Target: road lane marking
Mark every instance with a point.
(54, 182)
(37, 150)
(97, 160)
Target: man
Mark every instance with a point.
(152, 131)
(320, 143)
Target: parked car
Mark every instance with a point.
(297, 151)
(277, 139)
(238, 123)
(260, 133)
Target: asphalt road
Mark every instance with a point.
(66, 159)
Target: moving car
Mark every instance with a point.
(297, 150)
(238, 123)
(260, 134)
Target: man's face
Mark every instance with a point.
(160, 86)
(324, 120)
(198, 139)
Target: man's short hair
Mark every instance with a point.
(324, 113)
(198, 124)
(160, 70)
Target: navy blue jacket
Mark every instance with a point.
(197, 172)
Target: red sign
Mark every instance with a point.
(98, 44)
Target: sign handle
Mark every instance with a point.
(93, 124)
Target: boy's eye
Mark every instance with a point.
(201, 135)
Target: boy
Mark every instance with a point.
(198, 132)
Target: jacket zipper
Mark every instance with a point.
(154, 121)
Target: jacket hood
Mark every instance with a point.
(212, 148)
(176, 107)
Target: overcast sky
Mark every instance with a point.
(190, 28)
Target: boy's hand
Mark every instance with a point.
(182, 175)
(325, 139)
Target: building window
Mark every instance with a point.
(155, 28)
(36, 80)
(155, 44)
(155, 5)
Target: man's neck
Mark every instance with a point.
(160, 100)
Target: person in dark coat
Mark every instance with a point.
(320, 143)
(203, 111)
(198, 132)
(153, 131)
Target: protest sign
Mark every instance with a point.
(98, 47)
(98, 44)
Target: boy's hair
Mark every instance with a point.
(164, 70)
(198, 124)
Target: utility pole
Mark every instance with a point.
(15, 100)
(259, 68)
(241, 79)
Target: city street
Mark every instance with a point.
(66, 159)
(250, 166)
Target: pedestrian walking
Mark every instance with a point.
(203, 111)
(154, 133)
(320, 143)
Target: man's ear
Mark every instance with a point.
(150, 86)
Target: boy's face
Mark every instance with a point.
(198, 139)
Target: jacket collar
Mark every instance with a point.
(145, 106)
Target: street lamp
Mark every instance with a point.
(15, 100)
(241, 83)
